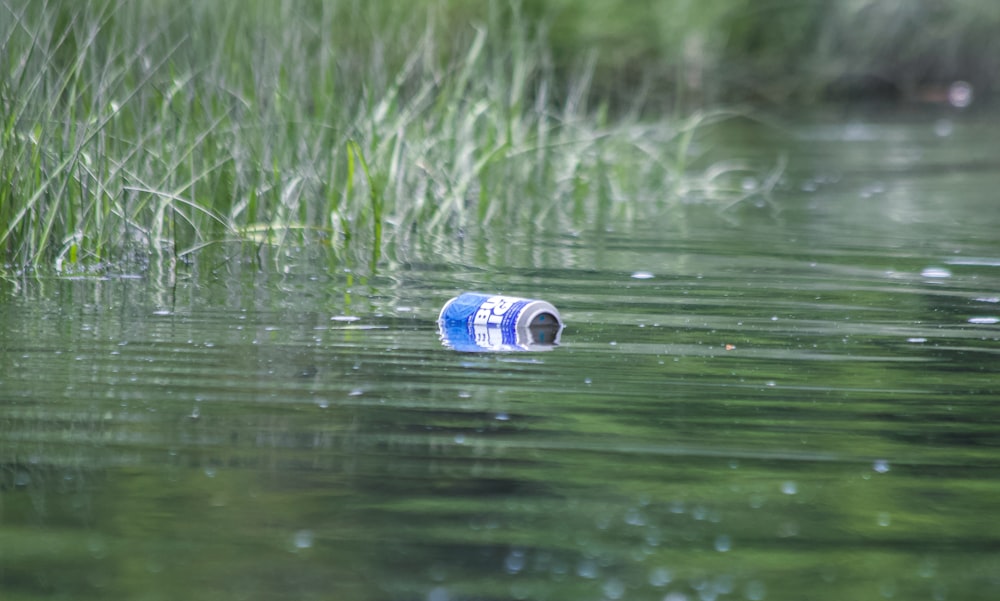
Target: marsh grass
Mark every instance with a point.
(150, 131)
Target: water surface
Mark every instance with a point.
(795, 398)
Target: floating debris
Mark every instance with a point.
(474, 322)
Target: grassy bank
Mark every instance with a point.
(150, 130)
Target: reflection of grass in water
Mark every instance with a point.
(138, 130)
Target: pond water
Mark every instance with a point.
(797, 400)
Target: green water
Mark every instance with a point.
(791, 399)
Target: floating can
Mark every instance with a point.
(474, 322)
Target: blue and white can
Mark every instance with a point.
(474, 322)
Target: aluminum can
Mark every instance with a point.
(475, 322)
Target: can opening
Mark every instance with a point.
(544, 327)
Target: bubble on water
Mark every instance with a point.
(210, 472)
(438, 594)
(660, 577)
(789, 487)
(943, 128)
(464, 395)
(880, 465)
(916, 340)
(936, 272)
(723, 543)
(642, 275)
(460, 439)
(96, 546)
(984, 321)
(587, 568)
(987, 299)
(960, 94)
(755, 590)
(634, 517)
(345, 318)
(614, 589)
(514, 562)
(884, 519)
(501, 417)
(653, 538)
(303, 539)
(928, 568)
(788, 529)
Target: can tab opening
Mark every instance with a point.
(543, 328)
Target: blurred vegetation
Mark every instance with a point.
(152, 130)
(777, 51)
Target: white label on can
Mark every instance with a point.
(492, 310)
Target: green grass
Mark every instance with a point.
(148, 131)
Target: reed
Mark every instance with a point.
(151, 131)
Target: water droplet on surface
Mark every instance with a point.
(943, 128)
(984, 321)
(438, 594)
(303, 539)
(881, 466)
(960, 94)
(755, 591)
(614, 589)
(916, 340)
(936, 272)
(634, 517)
(660, 577)
(586, 569)
(514, 562)
(642, 275)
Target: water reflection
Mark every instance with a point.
(805, 403)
